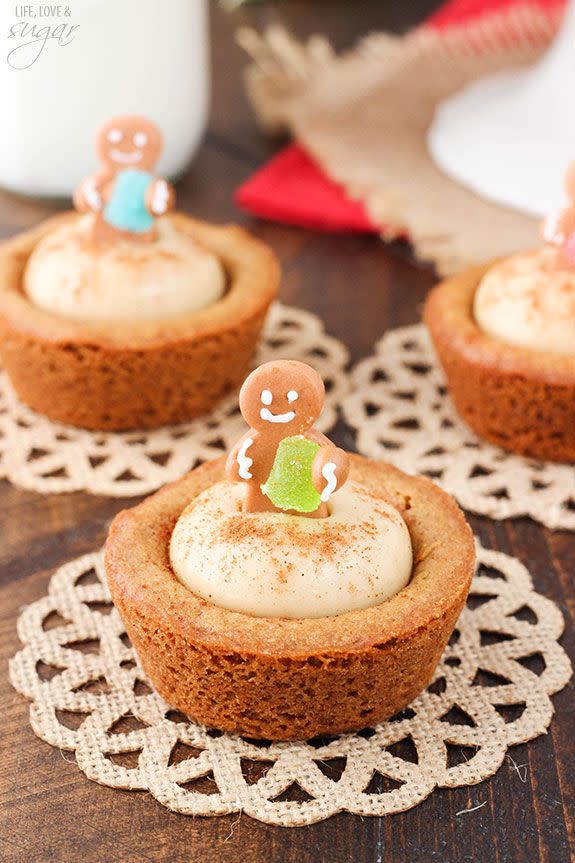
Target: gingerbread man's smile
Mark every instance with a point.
(126, 158)
(267, 415)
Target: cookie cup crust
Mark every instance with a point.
(287, 679)
(111, 375)
(519, 399)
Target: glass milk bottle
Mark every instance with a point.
(67, 67)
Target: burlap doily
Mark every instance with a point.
(38, 454)
(364, 117)
(490, 691)
(401, 411)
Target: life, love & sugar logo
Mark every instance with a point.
(35, 28)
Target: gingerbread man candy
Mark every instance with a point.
(286, 463)
(559, 227)
(125, 196)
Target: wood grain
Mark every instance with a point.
(50, 811)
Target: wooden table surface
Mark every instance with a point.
(50, 811)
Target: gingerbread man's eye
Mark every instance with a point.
(292, 396)
(140, 139)
(266, 397)
(115, 136)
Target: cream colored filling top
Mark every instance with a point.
(524, 301)
(280, 565)
(69, 275)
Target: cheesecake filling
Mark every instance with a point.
(70, 275)
(525, 301)
(274, 564)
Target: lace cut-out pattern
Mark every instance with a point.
(38, 454)
(401, 411)
(491, 690)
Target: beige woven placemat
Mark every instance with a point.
(401, 412)
(364, 117)
(491, 691)
(38, 454)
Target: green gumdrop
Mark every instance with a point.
(289, 485)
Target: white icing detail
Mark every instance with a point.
(92, 195)
(115, 136)
(328, 473)
(243, 460)
(125, 158)
(266, 397)
(160, 198)
(292, 396)
(140, 139)
(267, 415)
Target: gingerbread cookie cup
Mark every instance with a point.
(520, 399)
(112, 375)
(291, 678)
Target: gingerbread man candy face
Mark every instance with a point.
(129, 142)
(282, 398)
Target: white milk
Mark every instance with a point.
(85, 61)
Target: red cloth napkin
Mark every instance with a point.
(292, 188)
(455, 13)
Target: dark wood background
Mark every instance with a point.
(50, 811)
